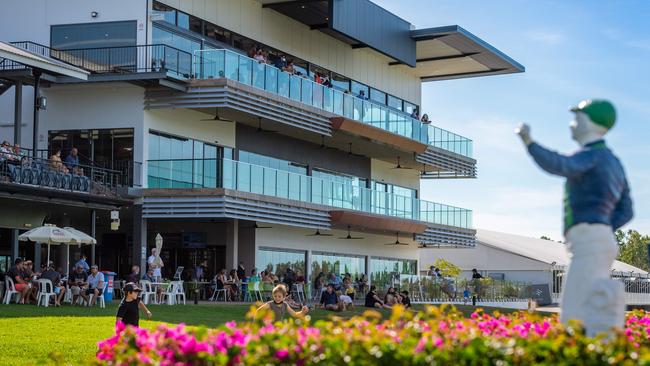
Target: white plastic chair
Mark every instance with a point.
(45, 292)
(215, 295)
(10, 291)
(100, 298)
(179, 292)
(169, 295)
(299, 290)
(147, 291)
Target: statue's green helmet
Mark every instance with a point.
(600, 111)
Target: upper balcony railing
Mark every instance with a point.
(219, 63)
(120, 60)
(240, 176)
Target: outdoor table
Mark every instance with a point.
(201, 285)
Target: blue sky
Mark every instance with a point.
(572, 50)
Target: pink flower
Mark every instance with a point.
(282, 353)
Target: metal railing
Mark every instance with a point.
(120, 60)
(46, 173)
(435, 289)
(220, 63)
(245, 177)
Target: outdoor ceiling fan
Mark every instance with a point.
(350, 237)
(260, 129)
(350, 153)
(318, 233)
(323, 146)
(399, 166)
(397, 242)
(218, 118)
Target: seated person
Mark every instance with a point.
(330, 301)
(95, 284)
(150, 277)
(78, 283)
(55, 277)
(392, 298)
(56, 163)
(72, 162)
(348, 288)
(254, 276)
(406, 300)
(346, 301)
(134, 276)
(373, 301)
(16, 274)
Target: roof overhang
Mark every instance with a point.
(451, 52)
(11, 53)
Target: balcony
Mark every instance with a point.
(214, 64)
(243, 177)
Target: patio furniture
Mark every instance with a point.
(100, 298)
(254, 291)
(10, 291)
(45, 292)
(147, 292)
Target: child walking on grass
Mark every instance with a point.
(280, 307)
(129, 310)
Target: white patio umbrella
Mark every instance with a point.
(159, 243)
(50, 234)
(83, 239)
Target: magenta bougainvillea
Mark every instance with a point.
(435, 336)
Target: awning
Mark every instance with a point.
(452, 52)
(10, 53)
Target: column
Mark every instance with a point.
(308, 266)
(14, 244)
(93, 232)
(368, 270)
(232, 244)
(37, 78)
(18, 111)
(139, 252)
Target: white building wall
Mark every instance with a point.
(248, 18)
(30, 20)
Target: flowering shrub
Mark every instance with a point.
(441, 336)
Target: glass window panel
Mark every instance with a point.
(168, 14)
(394, 102)
(232, 64)
(340, 82)
(245, 70)
(196, 25)
(182, 20)
(377, 96)
(294, 87)
(154, 147)
(258, 75)
(307, 91)
(337, 264)
(278, 260)
(385, 271)
(93, 35)
(358, 87)
(217, 33)
(271, 75)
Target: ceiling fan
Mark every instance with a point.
(350, 237)
(322, 144)
(397, 242)
(350, 153)
(399, 166)
(218, 118)
(318, 233)
(260, 129)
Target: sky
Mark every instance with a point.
(572, 50)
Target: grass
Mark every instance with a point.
(29, 334)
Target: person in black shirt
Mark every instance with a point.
(129, 310)
(406, 300)
(373, 301)
(329, 300)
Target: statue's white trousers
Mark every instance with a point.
(589, 295)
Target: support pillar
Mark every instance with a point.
(14, 244)
(232, 244)
(93, 232)
(18, 111)
(37, 81)
(139, 250)
(307, 272)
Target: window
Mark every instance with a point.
(340, 82)
(217, 33)
(165, 12)
(358, 87)
(196, 25)
(395, 103)
(409, 107)
(278, 260)
(339, 264)
(93, 35)
(377, 96)
(385, 271)
(183, 20)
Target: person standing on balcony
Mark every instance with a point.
(415, 114)
(362, 95)
(596, 203)
(425, 119)
(281, 62)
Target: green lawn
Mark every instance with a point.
(28, 334)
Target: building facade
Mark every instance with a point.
(274, 133)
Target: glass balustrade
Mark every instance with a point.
(245, 177)
(218, 63)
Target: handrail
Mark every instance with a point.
(218, 63)
(241, 176)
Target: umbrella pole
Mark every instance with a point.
(67, 260)
(47, 264)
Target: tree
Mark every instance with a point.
(447, 269)
(545, 237)
(633, 248)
